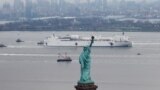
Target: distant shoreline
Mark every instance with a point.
(69, 31)
(82, 24)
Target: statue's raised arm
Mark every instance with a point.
(92, 41)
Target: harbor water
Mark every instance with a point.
(28, 66)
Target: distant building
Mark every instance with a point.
(54, 7)
(61, 6)
(6, 11)
(54, 1)
(43, 8)
(77, 2)
(19, 8)
(101, 5)
(104, 5)
(6, 7)
(28, 9)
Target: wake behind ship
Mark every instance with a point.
(76, 40)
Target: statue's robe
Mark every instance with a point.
(85, 61)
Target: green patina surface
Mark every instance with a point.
(85, 63)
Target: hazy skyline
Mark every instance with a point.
(11, 1)
(2, 1)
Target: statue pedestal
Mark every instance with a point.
(87, 86)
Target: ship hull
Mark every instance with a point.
(84, 43)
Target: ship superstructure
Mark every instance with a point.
(77, 40)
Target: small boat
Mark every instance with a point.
(63, 58)
(2, 45)
(19, 40)
(40, 43)
(138, 53)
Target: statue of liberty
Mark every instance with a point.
(85, 62)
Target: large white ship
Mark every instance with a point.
(76, 40)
